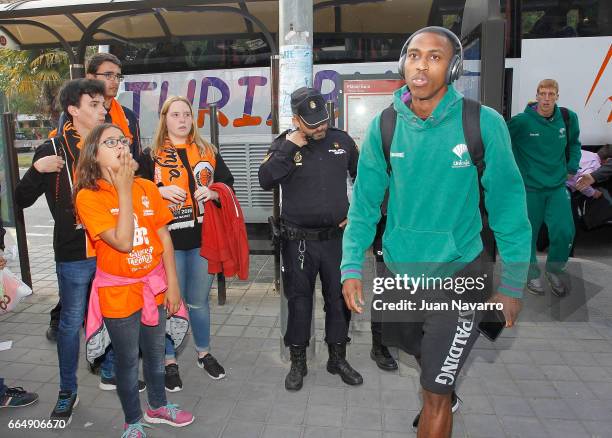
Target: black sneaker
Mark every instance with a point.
(66, 402)
(173, 379)
(211, 366)
(51, 333)
(455, 402)
(110, 384)
(17, 397)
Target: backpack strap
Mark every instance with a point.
(472, 133)
(388, 120)
(475, 145)
(566, 121)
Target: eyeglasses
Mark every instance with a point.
(111, 76)
(113, 142)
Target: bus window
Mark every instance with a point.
(565, 18)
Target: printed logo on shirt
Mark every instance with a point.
(562, 133)
(397, 155)
(337, 151)
(145, 201)
(148, 213)
(534, 134)
(460, 150)
(114, 211)
(140, 258)
(297, 159)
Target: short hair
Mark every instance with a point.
(605, 152)
(94, 63)
(548, 83)
(71, 92)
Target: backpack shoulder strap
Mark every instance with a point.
(473, 136)
(388, 120)
(566, 121)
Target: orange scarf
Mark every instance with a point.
(171, 169)
(118, 117)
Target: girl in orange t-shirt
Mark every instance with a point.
(126, 219)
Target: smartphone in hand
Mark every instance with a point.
(492, 324)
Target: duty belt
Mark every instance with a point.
(290, 232)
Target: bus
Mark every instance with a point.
(568, 40)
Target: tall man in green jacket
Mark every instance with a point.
(539, 142)
(433, 215)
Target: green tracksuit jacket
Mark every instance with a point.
(433, 214)
(539, 144)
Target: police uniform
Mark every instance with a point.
(314, 201)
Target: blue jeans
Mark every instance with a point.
(128, 335)
(195, 283)
(74, 281)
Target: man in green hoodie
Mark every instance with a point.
(539, 142)
(433, 215)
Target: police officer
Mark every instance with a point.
(310, 163)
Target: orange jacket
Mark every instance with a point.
(224, 239)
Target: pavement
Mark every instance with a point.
(545, 378)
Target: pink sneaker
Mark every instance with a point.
(135, 430)
(169, 414)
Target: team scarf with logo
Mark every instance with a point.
(70, 152)
(184, 166)
(117, 115)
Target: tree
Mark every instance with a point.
(32, 77)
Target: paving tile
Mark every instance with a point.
(592, 373)
(524, 427)
(558, 372)
(242, 429)
(398, 420)
(230, 330)
(537, 388)
(322, 432)
(590, 409)
(525, 372)
(485, 426)
(547, 358)
(320, 395)
(502, 387)
(287, 413)
(603, 390)
(551, 408)
(274, 431)
(363, 418)
(573, 390)
(598, 429)
(564, 428)
(251, 411)
(511, 406)
(404, 400)
(476, 404)
(356, 433)
(324, 415)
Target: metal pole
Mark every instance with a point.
(331, 110)
(276, 192)
(77, 71)
(295, 31)
(214, 139)
(12, 180)
(214, 124)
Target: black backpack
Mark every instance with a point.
(473, 138)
